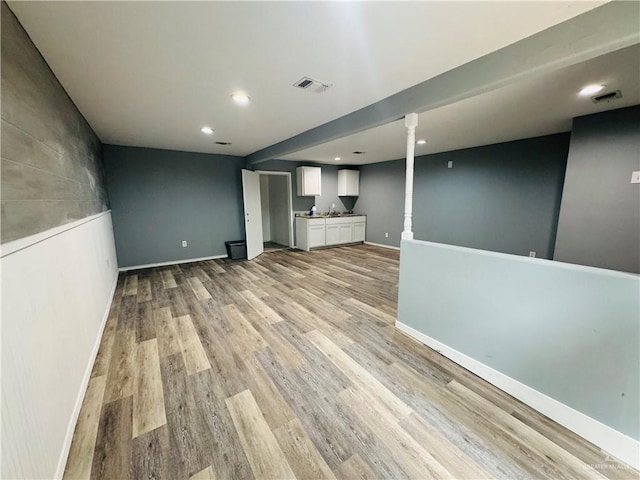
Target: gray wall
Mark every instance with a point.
(503, 197)
(51, 161)
(329, 185)
(600, 213)
(382, 200)
(161, 197)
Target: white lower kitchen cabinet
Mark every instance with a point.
(310, 233)
(326, 232)
(317, 236)
(359, 228)
(332, 234)
(339, 230)
(345, 234)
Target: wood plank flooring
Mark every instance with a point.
(289, 366)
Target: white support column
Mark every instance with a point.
(411, 122)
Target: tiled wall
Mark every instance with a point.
(52, 170)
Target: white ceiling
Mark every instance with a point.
(152, 73)
(538, 106)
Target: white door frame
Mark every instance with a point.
(290, 197)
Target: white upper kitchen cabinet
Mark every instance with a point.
(348, 183)
(309, 181)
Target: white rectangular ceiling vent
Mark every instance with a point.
(311, 85)
(607, 97)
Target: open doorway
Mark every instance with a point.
(277, 210)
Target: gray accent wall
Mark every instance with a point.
(600, 213)
(382, 200)
(51, 160)
(161, 197)
(503, 197)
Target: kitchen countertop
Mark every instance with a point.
(326, 215)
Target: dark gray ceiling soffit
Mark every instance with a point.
(602, 30)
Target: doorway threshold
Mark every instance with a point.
(274, 247)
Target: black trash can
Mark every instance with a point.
(236, 249)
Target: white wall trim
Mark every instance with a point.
(66, 447)
(616, 443)
(22, 243)
(69, 273)
(173, 262)
(382, 245)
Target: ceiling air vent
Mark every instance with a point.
(607, 97)
(357, 152)
(223, 143)
(306, 83)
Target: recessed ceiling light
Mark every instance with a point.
(421, 142)
(337, 159)
(591, 89)
(240, 98)
(207, 130)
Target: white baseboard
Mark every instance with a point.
(66, 447)
(611, 441)
(382, 245)
(174, 262)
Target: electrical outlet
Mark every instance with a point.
(386, 235)
(532, 254)
(450, 164)
(184, 243)
(635, 177)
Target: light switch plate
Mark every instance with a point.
(635, 177)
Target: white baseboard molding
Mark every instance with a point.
(66, 447)
(382, 245)
(608, 439)
(174, 262)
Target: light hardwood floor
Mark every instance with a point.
(289, 366)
